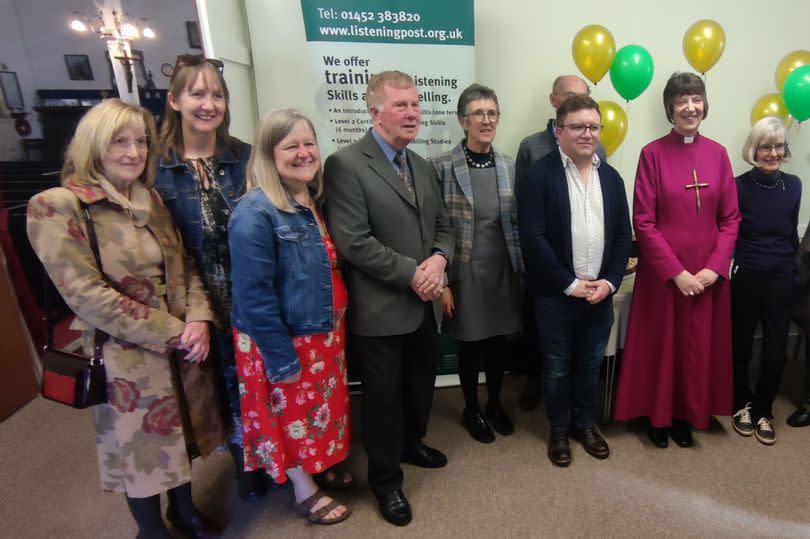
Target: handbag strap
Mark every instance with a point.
(100, 336)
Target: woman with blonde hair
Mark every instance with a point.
(147, 296)
(289, 306)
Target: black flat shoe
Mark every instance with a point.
(200, 527)
(658, 436)
(499, 420)
(425, 457)
(799, 418)
(477, 426)
(681, 433)
(394, 507)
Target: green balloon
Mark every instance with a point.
(631, 71)
(796, 93)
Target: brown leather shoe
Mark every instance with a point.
(592, 441)
(559, 451)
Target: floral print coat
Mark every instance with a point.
(143, 447)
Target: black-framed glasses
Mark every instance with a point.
(480, 115)
(195, 60)
(579, 129)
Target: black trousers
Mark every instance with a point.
(398, 373)
(766, 298)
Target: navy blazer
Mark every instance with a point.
(544, 223)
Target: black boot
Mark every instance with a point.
(146, 512)
(186, 518)
(250, 485)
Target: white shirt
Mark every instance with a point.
(587, 221)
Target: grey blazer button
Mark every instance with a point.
(222, 172)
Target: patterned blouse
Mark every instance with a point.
(215, 265)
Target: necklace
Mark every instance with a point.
(773, 185)
(479, 160)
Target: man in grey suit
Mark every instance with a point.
(388, 222)
(531, 149)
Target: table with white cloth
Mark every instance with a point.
(621, 313)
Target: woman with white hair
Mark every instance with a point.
(763, 283)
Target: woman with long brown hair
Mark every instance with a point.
(200, 176)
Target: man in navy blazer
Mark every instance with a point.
(575, 235)
(531, 149)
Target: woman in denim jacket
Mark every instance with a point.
(200, 176)
(289, 306)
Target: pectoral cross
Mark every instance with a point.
(697, 187)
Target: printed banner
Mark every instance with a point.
(350, 40)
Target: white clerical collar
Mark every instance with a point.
(689, 140)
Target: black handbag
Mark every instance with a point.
(70, 378)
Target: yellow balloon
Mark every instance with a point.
(791, 61)
(614, 120)
(593, 50)
(703, 44)
(770, 105)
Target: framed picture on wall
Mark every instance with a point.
(10, 87)
(193, 34)
(78, 67)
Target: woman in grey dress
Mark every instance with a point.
(482, 300)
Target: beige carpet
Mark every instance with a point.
(727, 486)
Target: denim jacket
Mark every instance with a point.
(176, 187)
(282, 279)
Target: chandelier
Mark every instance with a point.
(124, 30)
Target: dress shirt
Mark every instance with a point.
(389, 151)
(587, 221)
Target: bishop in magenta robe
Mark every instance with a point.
(677, 356)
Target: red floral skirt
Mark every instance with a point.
(304, 424)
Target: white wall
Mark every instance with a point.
(225, 36)
(522, 45)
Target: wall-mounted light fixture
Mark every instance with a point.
(123, 29)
